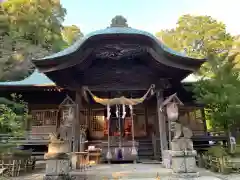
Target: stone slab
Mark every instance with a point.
(133, 172)
(184, 164)
(198, 178)
(57, 167)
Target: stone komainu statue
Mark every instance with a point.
(53, 136)
(182, 138)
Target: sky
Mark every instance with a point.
(148, 15)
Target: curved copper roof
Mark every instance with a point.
(73, 67)
(179, 60)
(35, 79)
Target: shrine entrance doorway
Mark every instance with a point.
(95, 121)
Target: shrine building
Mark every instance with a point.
(114, 63)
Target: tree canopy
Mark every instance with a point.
(220, 94)
(70, 34)
(30, 29)
(197, 36)
(203, 36)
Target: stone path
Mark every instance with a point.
(130, 171)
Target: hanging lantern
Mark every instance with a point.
(172, 111)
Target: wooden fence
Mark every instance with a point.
(224, 164)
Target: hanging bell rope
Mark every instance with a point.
(109, 154)
(121, 100)
(134, 150)
(119, 126)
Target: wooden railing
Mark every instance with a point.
(41, 132)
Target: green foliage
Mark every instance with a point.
(30, 29)
(13, 115)
(217, 151)
(36, 21)
(221, 93)
(70, 34)
(200, 37)
(13, 118)
(197, 36)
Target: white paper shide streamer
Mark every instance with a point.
(124, 111)
(109, 154)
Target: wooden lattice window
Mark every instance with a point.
(193, 118)
(196, 116)
(98, 123)
(44, 117)
(97, 120)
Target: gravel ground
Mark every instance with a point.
(131, 171)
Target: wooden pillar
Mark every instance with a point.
(146, 120)
(28, 127)
(204, 120)
(161, 123)
(76, 124)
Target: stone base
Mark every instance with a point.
(57, 164)
(167, 159)
(185, 175)
(57, 177)
(74, 161)
(183, 162)
(190, 178)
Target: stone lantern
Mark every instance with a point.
(58, 155)
(171, 107)
(181, 157)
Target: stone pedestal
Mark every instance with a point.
(74, 160)
(167, 159)
(58, 146)
(57, 161)
(184, 164)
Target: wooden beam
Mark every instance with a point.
(161, 123)
(146, 119)
(76, 124)
(204, 120)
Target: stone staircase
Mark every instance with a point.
(145, 149)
